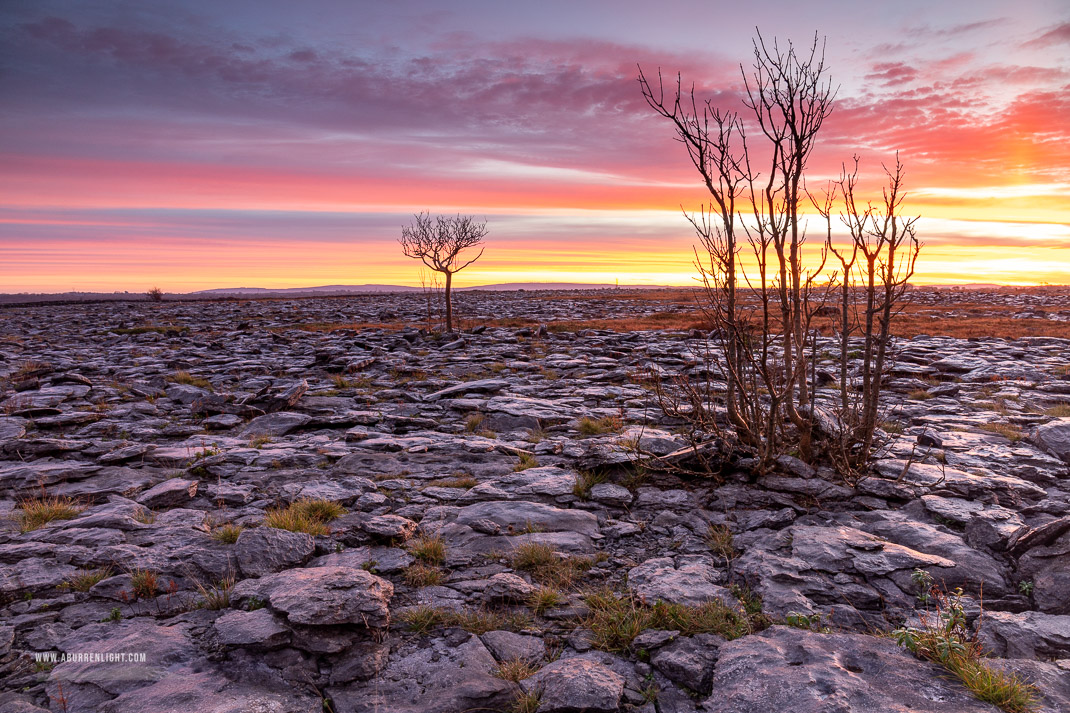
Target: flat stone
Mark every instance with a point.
(569, 685)
(323, 595)
(257, 628)
(264, 550)
(275, 424)
(659, 579)
(807, 672)
(170, 493)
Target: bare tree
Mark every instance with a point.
(155, 295)
(763, 300)
(438, 244)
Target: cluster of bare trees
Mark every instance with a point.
(761, 292)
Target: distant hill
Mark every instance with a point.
(347, 289)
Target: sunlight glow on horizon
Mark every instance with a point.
(212, 145)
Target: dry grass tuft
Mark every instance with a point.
(428, 549)
(33, 513)
(309, 515)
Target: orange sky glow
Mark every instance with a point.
(225, 147)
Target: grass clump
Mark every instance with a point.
(423, 619)
(33, 513)
(544, 598)
(184, 377)
(515, 670)
(945, 638)
(309, 515)
(422, 575)
(227, 534)
(144, 583)
(259, 441)
(1058, 411)
(429, 550)
(919, 395)
(586, 480)
(526, 703)
(599, 426)
(527, 460)
(86, 578)
(461, 481)
(546, 566)
(719, 540)
(1008, 431)
(216, 597)
(616, 619)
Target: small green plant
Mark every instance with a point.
(114, 615)
(1025, 588)
(86, 578)
(474, 422)
(34, 513)
(254, 603)
(527, 460)
(945, 638)
(924, 582)
(428, 549)
(227, 534)
(810, 622)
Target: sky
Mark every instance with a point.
(198, 144)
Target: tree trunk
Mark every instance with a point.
(449, 303)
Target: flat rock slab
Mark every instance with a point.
(691, 584)
(275, 424)
(257, 628)
(265, 550)
(185, 691)
(169, 493)
(785, 669)
(323, 596)
(438, 678)
(569, 685)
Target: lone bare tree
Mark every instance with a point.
(438, 244)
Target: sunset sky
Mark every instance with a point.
(193, 144)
